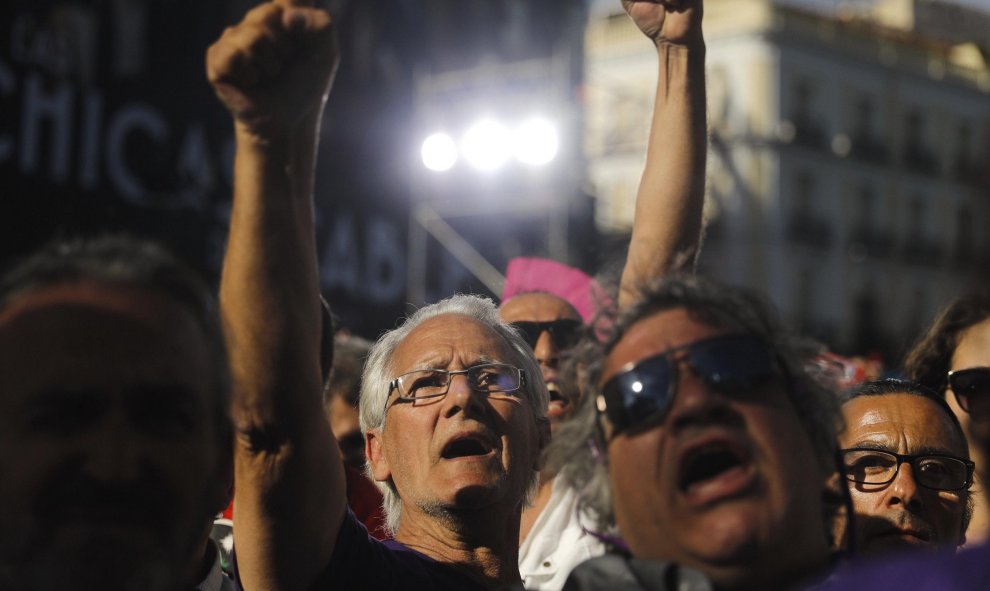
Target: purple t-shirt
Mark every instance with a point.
(968, 570)
(362, 562)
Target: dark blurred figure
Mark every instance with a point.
(958, 340)
(342, 394)
(907, 466)
(716, 446)
(115, 438)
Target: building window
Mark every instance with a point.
(917, 157)
(868, 237)
(916, 216)
(919, 247)
(804, 187)
(807, 131)
(866, 145)
(804, 226)
(867, 207)
(963, 159)
(964, 235)
(805, 300)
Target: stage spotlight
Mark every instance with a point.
(439, 152)
(486, 145)
(536, 142)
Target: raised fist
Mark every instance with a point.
(274, 69)
(677, 22)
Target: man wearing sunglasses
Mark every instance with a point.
(665, 238)
(907, 467)
(550, 325)
(718, 445)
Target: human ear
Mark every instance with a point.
(380, 470)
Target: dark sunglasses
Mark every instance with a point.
(972, 390)
(641, 393)
(565, 333)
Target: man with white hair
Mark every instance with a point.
(452, 401)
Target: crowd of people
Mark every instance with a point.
(669, 432)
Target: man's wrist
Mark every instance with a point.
(695, 48)
(277, 139)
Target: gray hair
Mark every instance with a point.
(378, 373)
(577, 450)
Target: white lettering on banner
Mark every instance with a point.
(380, 277)
(56, 131)
(37, 107)
(129, 119)
(340, 268)
(89, 147)
(8, 85)
(385, 273)
(195, 168)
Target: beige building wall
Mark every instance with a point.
(848, 173)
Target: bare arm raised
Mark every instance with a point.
(667, 223)
(273, 72)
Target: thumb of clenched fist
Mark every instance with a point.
(273, 70)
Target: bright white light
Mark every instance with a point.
(637, 387)
(536, 142)
(439, 152)
(486, 145)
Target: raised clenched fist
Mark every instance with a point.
(677, 22)
(273, 70)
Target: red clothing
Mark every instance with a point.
(365, 501)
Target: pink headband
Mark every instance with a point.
(526, 275)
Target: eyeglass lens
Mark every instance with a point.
(643, 393)
(972, 390)
(930, 471)
(436, 382)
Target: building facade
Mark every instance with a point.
(848, 168)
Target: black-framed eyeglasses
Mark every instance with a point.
(565, 332)
(424, 384)
(934, 471)
(971, 387)
(641, 393)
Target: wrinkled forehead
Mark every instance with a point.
(449, 341)
(902, 422)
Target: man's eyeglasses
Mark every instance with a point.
(641, 393)
(565, 332)
(972, 389)
(423, 384)
(934, 471)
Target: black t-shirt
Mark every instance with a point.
(361, 562)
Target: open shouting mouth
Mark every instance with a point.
(713, 469)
